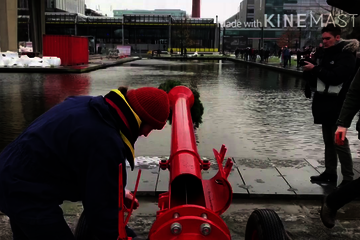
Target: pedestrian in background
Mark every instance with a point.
(330, 81)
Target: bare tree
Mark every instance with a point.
(288, 38)
(183, 33)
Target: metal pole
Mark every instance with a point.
(169, 32)
(29, 29)
(219, 35)
(123, 31)
(135, 38)
(223, 43)
(182, 33)
(76, 21)
(300, 39)
(217, 39)
(262, 36)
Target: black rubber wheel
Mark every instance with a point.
(265, 224)
(82, 229)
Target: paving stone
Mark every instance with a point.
(297, 173)
(356, 165)
(318, 165)
(147, 182)
(261, 177)
(163, 181)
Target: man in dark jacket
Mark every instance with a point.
(72, 152)
(330, 80)
(287, 56)
(337, 199)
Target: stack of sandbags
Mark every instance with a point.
(9, 59)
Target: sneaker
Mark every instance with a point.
(344, 182)
(324, 177)
(328, 216)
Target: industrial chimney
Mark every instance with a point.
(196, 9)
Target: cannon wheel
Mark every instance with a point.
(82, 229)
(265, 224)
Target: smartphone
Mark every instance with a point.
(338, 140)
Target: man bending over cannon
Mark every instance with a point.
(72, 152)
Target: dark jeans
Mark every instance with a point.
(286, 60)
(55, 231)
(332, 151)
(338, 198)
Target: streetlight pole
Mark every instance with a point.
(223, 42)
(300, 37)
(262, 36)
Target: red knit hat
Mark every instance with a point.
(151, 104)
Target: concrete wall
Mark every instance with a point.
(72, 6)
(243, 11)
(8, 25)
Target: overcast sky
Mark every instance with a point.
(209, 8)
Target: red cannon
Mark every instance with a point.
(191, 209)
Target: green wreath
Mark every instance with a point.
(197, 110)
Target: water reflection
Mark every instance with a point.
(57, 87)
(256, 112)
(24, 97)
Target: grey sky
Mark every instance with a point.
(209, 8)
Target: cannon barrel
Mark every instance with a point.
(192, 207)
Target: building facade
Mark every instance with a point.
(142, 32)
(172, 12)
(252, 14)
(71, 6)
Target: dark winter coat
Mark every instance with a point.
(319, 54)
(286, 52)
(351, 105)
(72, 152)
(337, 67)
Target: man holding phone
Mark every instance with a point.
(330, 80)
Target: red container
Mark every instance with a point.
(72, 50)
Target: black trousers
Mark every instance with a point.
(340, 197)
(28, 231)
(334, 152)
(55, 231)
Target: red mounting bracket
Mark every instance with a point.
(122, 208)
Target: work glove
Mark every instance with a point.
(129, 198)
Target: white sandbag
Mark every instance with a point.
(57, 62)
(35, 63)
(7, 61)
(19, 62)
(25, 60)
(12, 54)
(45, 64)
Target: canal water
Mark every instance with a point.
(257, 113)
